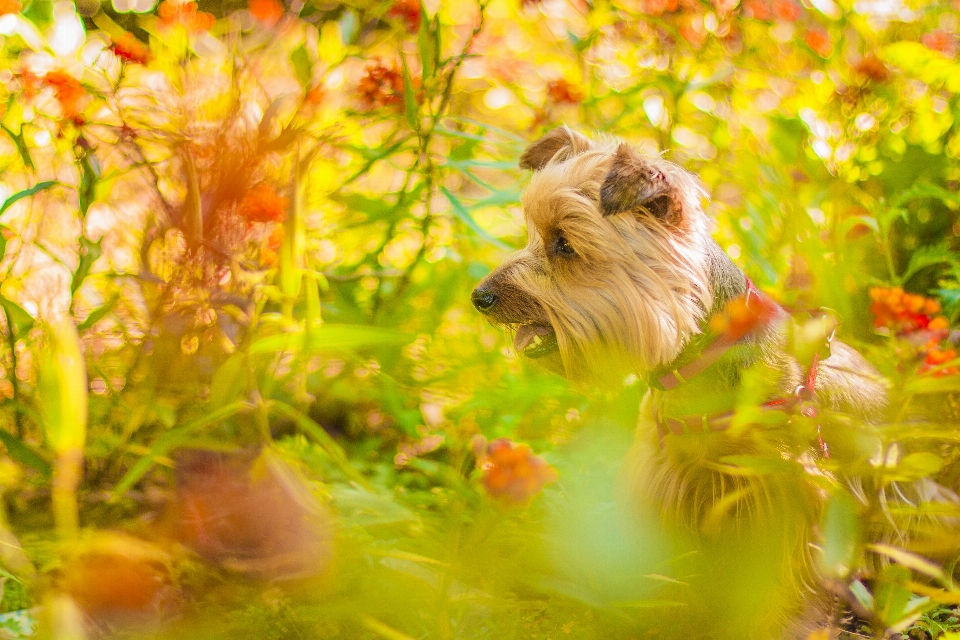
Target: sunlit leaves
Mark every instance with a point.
(841, 533)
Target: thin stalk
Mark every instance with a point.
(14, 380)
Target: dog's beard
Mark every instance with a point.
(620, 319)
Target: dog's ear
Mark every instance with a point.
(559, 144)
(637, 182)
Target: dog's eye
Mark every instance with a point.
(564, 248)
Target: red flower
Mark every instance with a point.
(786, 10)
(185, 13)
(560, 91)
(513, 474)
(408, 11)
(268, 12)
(129, 49)
(262, 204)
(819, 41)
(68, 91)
(381, 86)
(9, 6)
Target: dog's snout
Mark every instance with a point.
(483, 299)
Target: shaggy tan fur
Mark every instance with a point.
(619, 277)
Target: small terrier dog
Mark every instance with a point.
(620, 276)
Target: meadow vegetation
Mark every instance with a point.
(244, 392)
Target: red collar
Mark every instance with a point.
(760, 311)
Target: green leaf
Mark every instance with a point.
(17, 316)
(89, 253)
(21, 144)
(427, 43)
(302, 66)
(374, 208)
(409, 98)
(62, 388)
(329, 337)
(98, 314)
(312, 315)
(229, 380)
(40, 186)
(24, 454)
(320, 435)
(925, 190)
(841, 533)
(461, 212)
(919, 464)
(348, 26)
(40, 13)
(170, 440)
(90, 176)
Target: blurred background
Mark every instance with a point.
(244, 392)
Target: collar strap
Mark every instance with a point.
(753, 310)
(801, 401)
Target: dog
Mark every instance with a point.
(620, 277)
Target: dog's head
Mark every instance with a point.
(615, 276)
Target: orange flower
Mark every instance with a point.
(786, 10)
(758, 10)
(127, 579)
(408, 11)
(262, 204)
(513, 474)
(174, 13)
(872, 68)
(819, 41)
(741, 316)
(381, 86)
(268, 12)
(903, 312)
(561, 91)
(9, 6)
(315, 95)
(692, 30)
(935, 358)
(129, 49)
(268, 252)
(68, 91)
(30, 82)
(939, 40)
(658, 7)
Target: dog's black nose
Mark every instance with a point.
(483, 299)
